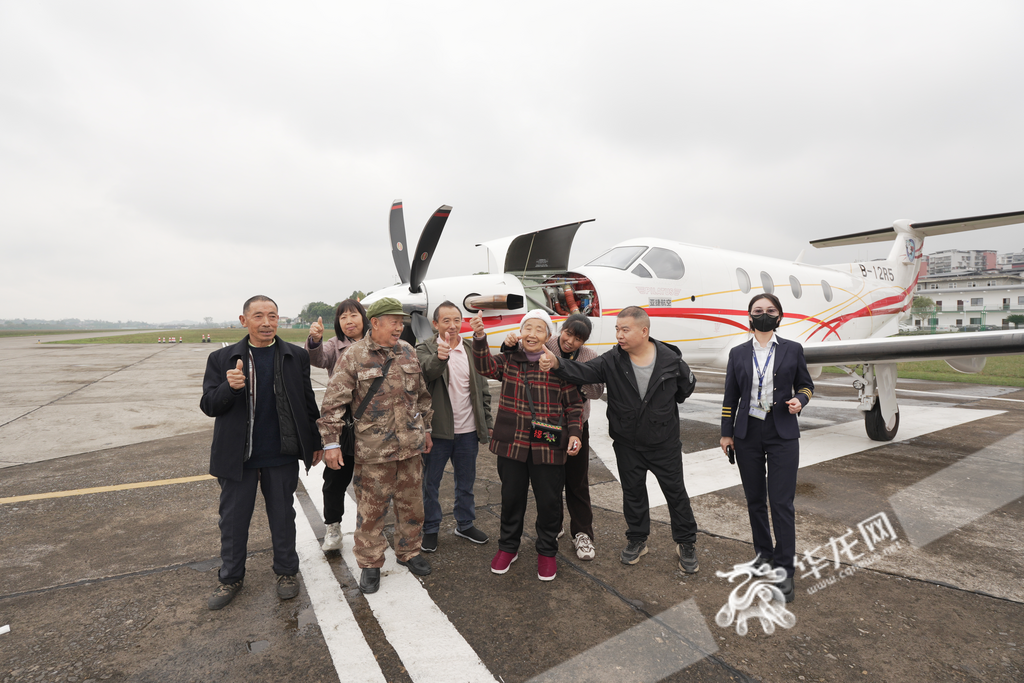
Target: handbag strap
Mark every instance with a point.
(372, 390)
(529, 397)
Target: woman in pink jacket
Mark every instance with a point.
(350, 324)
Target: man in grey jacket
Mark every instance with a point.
(462, 421)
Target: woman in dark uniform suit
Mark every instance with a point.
(766, 385)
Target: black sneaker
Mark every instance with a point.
(429, 543)
(224, 594)
(369, 581)
(287, 586)
(687, 558)
(473, 534)
(633, 551)
(418, 565)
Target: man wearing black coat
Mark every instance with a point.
(645, 379)
(259, 392)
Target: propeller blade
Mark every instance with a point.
(399, 245)
(421, 327)
(425, 247)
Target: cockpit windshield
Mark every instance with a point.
(619, 257)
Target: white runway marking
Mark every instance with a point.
(963, 492)
(647, 653)
(430, 647)
(349, 650)
(709, 470)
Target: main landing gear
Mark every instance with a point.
(876, 391)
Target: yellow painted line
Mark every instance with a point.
(104, 489)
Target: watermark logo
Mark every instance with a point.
(761, 600)
(876, 534)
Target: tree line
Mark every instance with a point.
(318, 309)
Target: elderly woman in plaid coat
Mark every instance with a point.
(530, 453)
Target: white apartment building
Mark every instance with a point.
(1011, 261)
(974, 300)
(957, 261)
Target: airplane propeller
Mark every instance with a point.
(399, 244)
(424, 247)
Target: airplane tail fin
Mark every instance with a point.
(908, 240)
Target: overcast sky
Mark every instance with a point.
(163, 161)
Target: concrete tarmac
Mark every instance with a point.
(112, 584)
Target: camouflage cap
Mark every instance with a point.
(386, 306)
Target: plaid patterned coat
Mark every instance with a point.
(553, 398)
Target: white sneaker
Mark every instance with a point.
(332, 539)
(584, 547)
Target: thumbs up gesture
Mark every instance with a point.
(477, 323)
(548, 361)
(236, 377)
(444, 348)
(316, 330)
(454, 339)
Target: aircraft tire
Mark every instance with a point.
(874, 424)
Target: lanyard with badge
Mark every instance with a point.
(760, 411)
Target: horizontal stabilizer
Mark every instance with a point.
(927, 229)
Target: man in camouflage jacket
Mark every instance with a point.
(389, 437)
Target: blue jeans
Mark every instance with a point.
(462, 451)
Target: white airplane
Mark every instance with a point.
(697, 297)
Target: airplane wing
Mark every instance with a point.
(927, 229)
(915, 348)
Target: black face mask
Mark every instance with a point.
(765, 322)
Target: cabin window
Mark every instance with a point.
(666, 264)
(743, 279)
(826, 289)
(619, 257)
(794, 286)
(641, 271)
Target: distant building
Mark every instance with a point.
(1011, 261)
(956, 261)
(971, 300)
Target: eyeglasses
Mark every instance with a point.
(774, 312)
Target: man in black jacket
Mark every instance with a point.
(645, 379)
(259, 392)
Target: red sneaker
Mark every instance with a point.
(502, 561)
(546, 568)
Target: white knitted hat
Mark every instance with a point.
(541, 315)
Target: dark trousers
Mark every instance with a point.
(547, 481)
(335, 484)
(237, 501)
(761, 447)
(462, 451)
(577, 488)
(667, 466)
